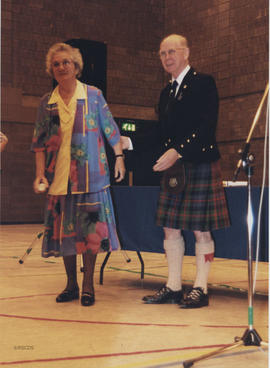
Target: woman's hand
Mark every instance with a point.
(166, 160)
(119, 168)
(38, 188)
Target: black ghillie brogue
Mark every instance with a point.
(196, 298)
(164, 295)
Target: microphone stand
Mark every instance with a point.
(247, 145)
(250, 336)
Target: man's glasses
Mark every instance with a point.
(65, 63)
(171, 52)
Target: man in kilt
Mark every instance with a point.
(192, 196)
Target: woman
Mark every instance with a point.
(71, 163)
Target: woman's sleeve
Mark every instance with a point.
(107, 123)
(40, 130)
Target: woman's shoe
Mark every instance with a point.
(87, 299)
(67, 296)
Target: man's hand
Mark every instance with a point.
(125, 141)
(166, 160)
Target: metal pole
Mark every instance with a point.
(249, 250)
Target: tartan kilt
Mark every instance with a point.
(200, 206)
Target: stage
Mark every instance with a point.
(119, 331)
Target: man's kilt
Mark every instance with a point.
(200, 206)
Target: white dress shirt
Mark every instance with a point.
(180, 78)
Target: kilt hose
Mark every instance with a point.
(200, 206)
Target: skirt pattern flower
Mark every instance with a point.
(77, 223)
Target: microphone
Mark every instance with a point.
(243, 158)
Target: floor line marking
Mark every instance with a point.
(26, 296)
(93, 322)
(115, 323)
(181, 361)
(112, 354)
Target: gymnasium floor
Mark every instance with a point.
(119, 331)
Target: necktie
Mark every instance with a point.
(173, 89)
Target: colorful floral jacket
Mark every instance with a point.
(89, 171)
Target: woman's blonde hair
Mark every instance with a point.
(72, 51)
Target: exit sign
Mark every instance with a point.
(128, 127)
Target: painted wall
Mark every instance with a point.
(228, 38)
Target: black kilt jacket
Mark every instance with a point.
(187, 122)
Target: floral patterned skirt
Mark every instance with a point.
(77, 223)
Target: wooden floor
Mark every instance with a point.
(119, 331)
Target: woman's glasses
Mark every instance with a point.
(65, 63)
